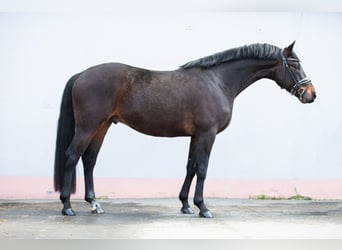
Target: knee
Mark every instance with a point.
(201, 173)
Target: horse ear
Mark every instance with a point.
(288, 50)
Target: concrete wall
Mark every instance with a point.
(272, 136)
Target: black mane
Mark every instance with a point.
(255, 51)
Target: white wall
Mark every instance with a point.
(272, 135)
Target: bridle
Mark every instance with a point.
(298, 83)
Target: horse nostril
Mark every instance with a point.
(314, 95)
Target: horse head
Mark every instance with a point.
(291, 76)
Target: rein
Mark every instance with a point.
(296, 87)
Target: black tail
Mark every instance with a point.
(65, 133)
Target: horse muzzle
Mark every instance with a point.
(307, 93)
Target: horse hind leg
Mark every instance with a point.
(78, 145)
(89, 160)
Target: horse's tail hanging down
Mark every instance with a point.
(65, 133)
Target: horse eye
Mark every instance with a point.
(296, 65)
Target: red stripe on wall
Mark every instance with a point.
(14, 187)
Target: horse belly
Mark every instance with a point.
(156, 117)
(158, 125)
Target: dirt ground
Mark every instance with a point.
(162, 219)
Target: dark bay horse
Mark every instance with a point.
(195, 100)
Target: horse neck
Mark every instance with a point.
(238, 75)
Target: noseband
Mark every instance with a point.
(296, 87)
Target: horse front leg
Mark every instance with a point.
(190, 173)
(184, 193)
(204, 145)
(200, 149)
(198, 198)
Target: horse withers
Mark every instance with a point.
(196, 100)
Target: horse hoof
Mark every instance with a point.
(187, 210)
(96, 208)
(206, 214)
(68, 212)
